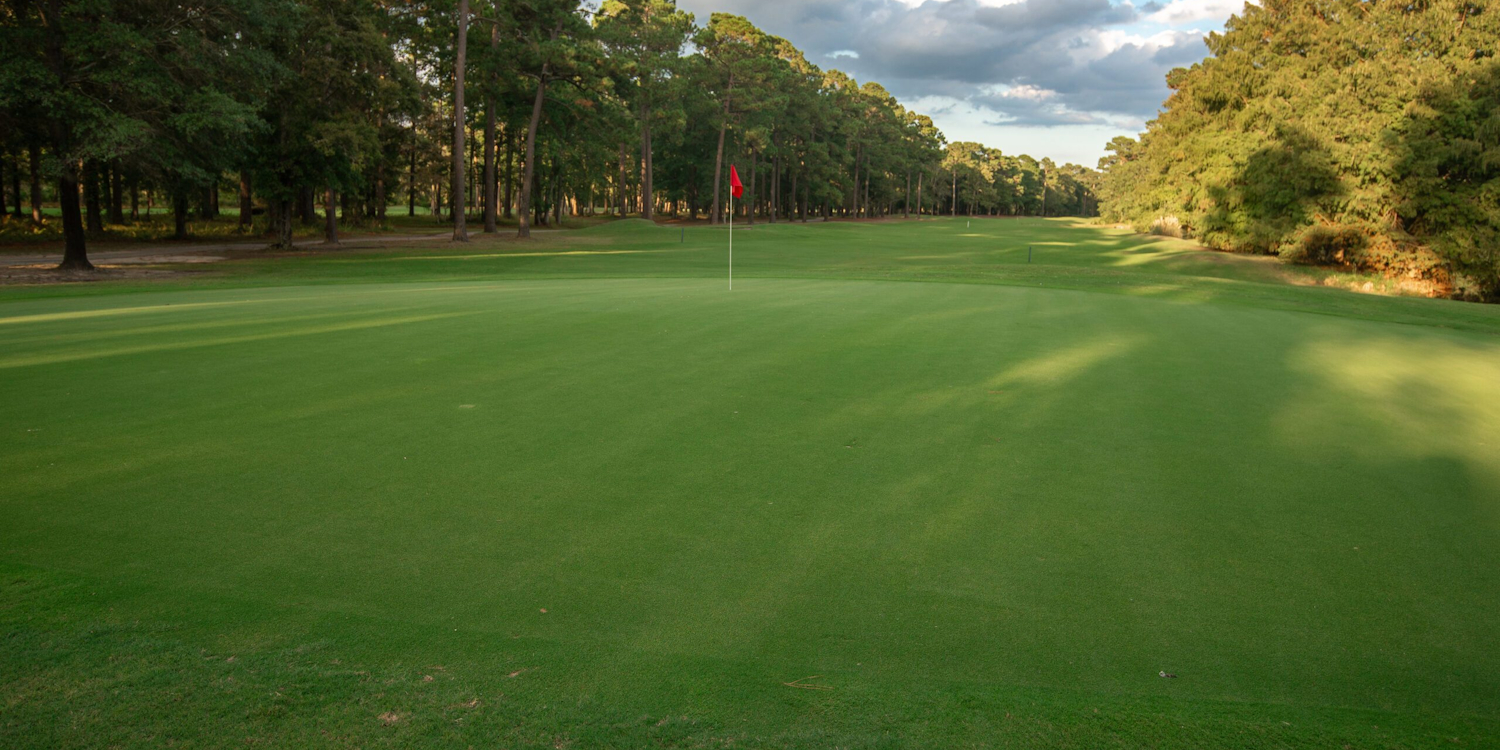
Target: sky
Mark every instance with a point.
(1050, 78)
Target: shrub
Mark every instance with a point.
(1404, 258)
(1324, 245)
(1166, 226)
(1471, 289)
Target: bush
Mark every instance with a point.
(1472, 289)
(1323, 245)
(1404, 258)
(1166, 226)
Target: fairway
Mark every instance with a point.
(930, 484)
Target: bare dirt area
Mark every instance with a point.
(180, 252)
(49, 274)
(116, 263)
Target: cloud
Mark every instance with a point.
(1092, 53)
(1083, 65)
(1192, 11)
(1030, 106)
(1045, 15)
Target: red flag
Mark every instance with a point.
(735, 186)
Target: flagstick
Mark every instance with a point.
(731, 240)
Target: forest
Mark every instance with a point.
(1357, 133)
(487, 112)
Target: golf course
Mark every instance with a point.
(954, 482)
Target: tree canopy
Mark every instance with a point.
(1359, 132)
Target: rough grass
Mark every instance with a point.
(573, 493)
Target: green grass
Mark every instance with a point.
(264, 505)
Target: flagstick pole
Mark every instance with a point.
(731, 240)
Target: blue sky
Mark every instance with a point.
(1055, 78)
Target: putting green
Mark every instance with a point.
(646, 511)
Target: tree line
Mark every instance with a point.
(524, 110)
(1362, 133)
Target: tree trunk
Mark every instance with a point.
(539, 214)
(247, 207)
(919, 195)
(648, 191)
(460, 230)
(620, 192)
(717, 214)
(806, 196)
(490, 188)
(1044, 193)
(135, 200)
(776, 188)
(411, 177)
(380, 199)
(180, 214)
(523, 210)
(557, 197)
(116, 195)
(510, 166)
(791, 210)
(281, 223)
(750, 200)
(75, 249)
(91, 197)
(867, 194)
(206, 203)
(15, 187)
(906, 198)
(36, 184)
(330, 217)
(858, 160)
(471, 194)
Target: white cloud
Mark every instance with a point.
(1028, 106)
(1191, 11)
(1110, 40)
(1028, 93)
(849, 53)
